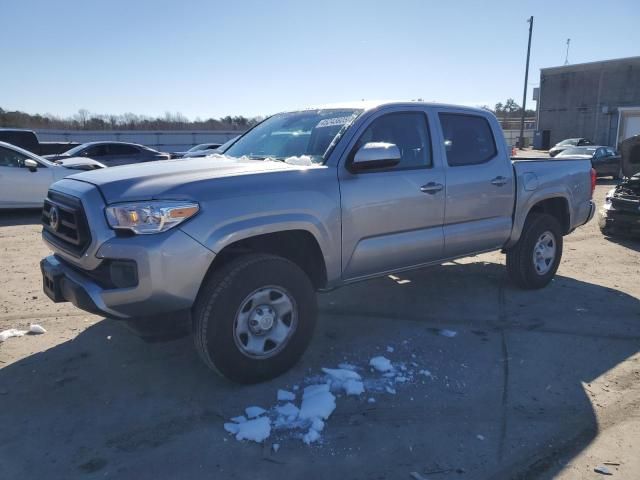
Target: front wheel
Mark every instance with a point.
(534, 260)
(254, 318)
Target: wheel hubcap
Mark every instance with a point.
(544, 253)
(265, 322)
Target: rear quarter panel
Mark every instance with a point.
(542, 179)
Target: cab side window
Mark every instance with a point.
(468, 139)
(408, 131)
(10, 158)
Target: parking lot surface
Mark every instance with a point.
(534, 384)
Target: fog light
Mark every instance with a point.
(123, 273)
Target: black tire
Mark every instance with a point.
(218, 302)
(520, 265)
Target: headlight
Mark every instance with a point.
(150, 217)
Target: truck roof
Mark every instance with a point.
(373, 104)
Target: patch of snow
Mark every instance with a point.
(232, 427)
(371, 400)
(304, 160)
(317, 402)
(285, 395)
(256, 430)
(603, 470)
(390, 349)
(390, 390)
(295, 388)
(253, 412)
(12, 332)
(288, 410)
(448, 333)
(275, 447)
(381, 364)
(480, 437)
(343, 379)
(347, 366)
(35, 328)
(426, 373)
(311, 436)
(239, 419)
(401, 379)
(353, 387)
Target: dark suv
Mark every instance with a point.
(112, 153)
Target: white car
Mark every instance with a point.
(25, 177)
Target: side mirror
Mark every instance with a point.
(374, 155)
(31, 164)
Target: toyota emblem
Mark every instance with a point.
(54, 218)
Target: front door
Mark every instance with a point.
(392, 217)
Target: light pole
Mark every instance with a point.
(526, 77)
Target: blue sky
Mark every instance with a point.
(207, 58)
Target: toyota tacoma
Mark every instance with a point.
(238, 243)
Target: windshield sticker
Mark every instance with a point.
(332, 122)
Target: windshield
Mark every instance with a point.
(578, 151)
(304, 136)
(569, 141)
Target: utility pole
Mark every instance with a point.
(526, 78)
(566, 58)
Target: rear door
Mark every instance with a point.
(392, 217)
(480, 189)
(19, 186)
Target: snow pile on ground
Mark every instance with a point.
(14, 332)
(257, 430)
(307, 419)
(35, 328)
(381, 364)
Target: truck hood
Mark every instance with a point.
(630, 154)
(165, 179)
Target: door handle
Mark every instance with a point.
(499, 181)
(431, 188)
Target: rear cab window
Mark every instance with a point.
(468, 139)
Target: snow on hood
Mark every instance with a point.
(176, 177)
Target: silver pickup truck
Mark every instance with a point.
(239, 243)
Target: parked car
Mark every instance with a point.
(26, 177)
(113, 153)
(306, 200)
(568, 143)
(620, 213)
(28, 140)
(193, 151)
(605, 160)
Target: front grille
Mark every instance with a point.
(65, 224)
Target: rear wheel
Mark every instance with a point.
(534, 260)
(254, 318)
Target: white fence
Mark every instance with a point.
(166, 140)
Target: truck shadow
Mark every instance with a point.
(625, 241)
(108, 402)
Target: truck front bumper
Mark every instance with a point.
(169, 269)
